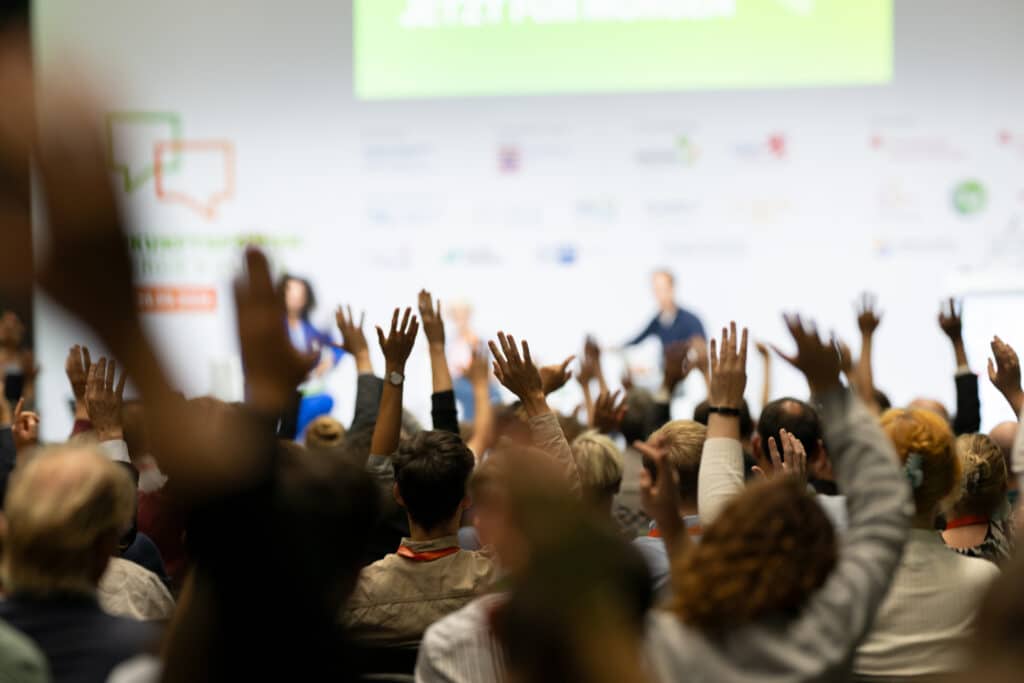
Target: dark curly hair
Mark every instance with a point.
(771, 548)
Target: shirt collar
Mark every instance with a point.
(442, 543)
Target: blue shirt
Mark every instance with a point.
(682, 327)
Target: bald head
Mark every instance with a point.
(1004, 435)
(931, 405)
(65, 510)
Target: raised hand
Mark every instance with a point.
(433, 325)
(868, 316)
(609, 410)
(728, 369)
(553, 377)
(397, 345)
(696, 357)
(25, 428)
(677, 364)
(951, 319)
(273, 367)
(77, 369)
(817, 360)
(763, 350)
(516, 372)
(103, 399)
(352, 338)
(659, 494)
(479, 370)
(1004, 373)
(792, 462)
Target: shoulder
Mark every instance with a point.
(461, 626)
(20, 659)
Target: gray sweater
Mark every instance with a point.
(818, 644)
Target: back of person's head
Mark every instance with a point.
(931, 405)
(983, 477)
(431, 472)
(325, 511)
(770, 549)
(65, 510)
(577, 611)
(638, 421)
(797, 417)
(1004, 434)
(600, 465)
(703, 411)
(324, 432)
(924, 443)
(685, 442)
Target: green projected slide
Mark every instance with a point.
(451, 48)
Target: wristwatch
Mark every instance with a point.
(396, 378)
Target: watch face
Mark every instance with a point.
(396, 378)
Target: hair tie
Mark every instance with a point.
(913, 470)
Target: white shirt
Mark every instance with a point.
(460, 648)
(921, 627)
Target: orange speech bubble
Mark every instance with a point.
(206, 207)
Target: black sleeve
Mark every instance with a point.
(968, 407)
(368, 390)
(7, 459)
(443, 411)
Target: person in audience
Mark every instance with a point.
(770, 590)
(922, 627)
(683, 440)
(672, 323)
(977, 523)
(65, 511)
(324, 432)
(599, 462)
(428, 576)
(799, 419)
(1003, 435)
(127, 589)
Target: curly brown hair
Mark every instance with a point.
(772, 547)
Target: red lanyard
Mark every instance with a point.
(969, 520)
(425, 555)
(690, 531)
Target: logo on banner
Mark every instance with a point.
(145, 146)
(969, 198)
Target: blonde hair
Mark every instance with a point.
(59, 506)
(923, 433)
(599, 462)
(685, 442)
(324, 432)
(983, 487)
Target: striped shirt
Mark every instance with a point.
(461, 648)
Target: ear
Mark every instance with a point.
(756, 448)
(397, 494)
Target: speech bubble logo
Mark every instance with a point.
(211, 176)
(130, 138)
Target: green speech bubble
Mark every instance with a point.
(134, 179)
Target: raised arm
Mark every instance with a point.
(479, 374)
(76, 367)
(968, 406)
(396, 347)
(766, 363)
(443, 410)
(1004, 374)
(518, 374)
(868, 320)
(720, 477)
(368, 385)
(878, 500)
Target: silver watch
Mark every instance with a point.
(396, 378)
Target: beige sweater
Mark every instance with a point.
(929, 611)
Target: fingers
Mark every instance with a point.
(792, 360)
(405, 321)
(500, 364)
(713, 356)
(380, 335)
(743, 348)
(394, 323)
(414, 328)
(108, 382)
(565, 363)
(86, 359)
(759, 472)
(527, 359)
(773, 452)
(120, 385)
(991, 371)
(18, 408)
(260, 284)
